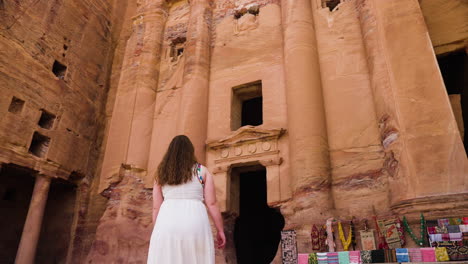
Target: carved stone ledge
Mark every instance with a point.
(248, 143)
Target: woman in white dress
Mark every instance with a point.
(182, 232)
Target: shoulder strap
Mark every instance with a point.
(199, 174)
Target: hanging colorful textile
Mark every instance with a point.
(401, 231)
(366, 256)
(463, 228)
(465, 238)
(380, 226)
(421, 241)
(313, 258)
(443, 222)
(303, 259)
(345, 242)
(288, 247)
(322, 258)
(390, 255)
(465, 220)
(458, 253)
(441, 230)
(355, 257)
(392, 237)
(378, 256)
(353, 234)
(402, 254)
(367, 239)
(453, 228)
(343, 257)
(455, 236)
(315, 237)
(323, 239)
(428, 254)
(332, 257)
(455, 221)
(415, 254)
(441, 254)
(330, 240)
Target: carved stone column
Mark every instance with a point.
(308, 144)
(32, 227)
(129, 137)
(193, 112)
(424, 152)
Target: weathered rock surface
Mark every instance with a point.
(355, 116)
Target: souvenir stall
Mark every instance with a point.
(380, 240)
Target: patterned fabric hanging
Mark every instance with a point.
(366, 256)
(323, 239)
(330, 240)
(289, 247)
(315, 237)
(441, 254)
(392, 236)
(313, 258)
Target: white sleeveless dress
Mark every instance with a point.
(182, 233)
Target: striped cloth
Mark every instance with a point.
(390, 255)
(332, 257)
(343, 257)
(354, 257)
(322, 258)
(402, 255)
(415, 254)
(428, 254)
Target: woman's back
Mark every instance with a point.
(182, 232)
(192, 189)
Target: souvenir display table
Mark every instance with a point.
(440, 240)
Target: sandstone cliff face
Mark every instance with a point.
(110, 81)
(55, 59)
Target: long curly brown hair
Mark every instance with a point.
(177, 164)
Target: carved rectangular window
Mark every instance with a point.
(247, 105)
(47, 120)
(39, 145)
(16, 105)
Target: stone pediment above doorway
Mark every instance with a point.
(246, 143)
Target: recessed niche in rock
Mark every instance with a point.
(331, 4)
(39, 145)
(177, 48)
(59, 69)
(254, 10)
(16, 105)
(47, 120)
(247, 105)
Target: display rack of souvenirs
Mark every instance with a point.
(440, 240)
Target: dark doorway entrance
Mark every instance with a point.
(56, 225)
(16, 187)
(454, 69)
(257, 231)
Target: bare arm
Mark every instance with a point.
(157, 200)
(212, 205)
